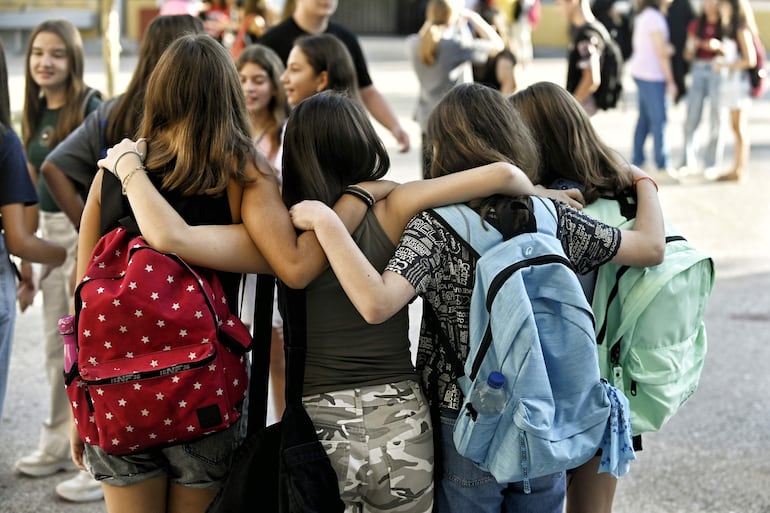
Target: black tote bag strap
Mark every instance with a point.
(293, 306)
(261, 337)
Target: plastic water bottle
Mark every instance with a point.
(67, 331)
(489, 398)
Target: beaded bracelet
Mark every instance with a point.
(639, 179)
(360, 193)
(124, 181)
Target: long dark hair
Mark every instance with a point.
(161, 31)
(329, 144)
(569, 146)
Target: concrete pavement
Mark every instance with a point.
(710, 458)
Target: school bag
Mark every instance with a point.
(530, 320)
(160, 356)
(650, 332)
(611, 69)
(758, 73)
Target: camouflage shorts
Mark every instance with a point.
(380, 442)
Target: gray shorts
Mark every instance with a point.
(203, 463)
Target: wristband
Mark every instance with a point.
(639, 179)
(360, 193)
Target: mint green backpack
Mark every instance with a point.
(649, 320)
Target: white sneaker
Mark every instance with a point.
(81, 488)
(40, 464)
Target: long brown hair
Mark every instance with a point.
(197, 128)
(474, 125)
(72, 112)
(569, 146)
(127, 113)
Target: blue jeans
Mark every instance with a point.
(652, 120)
(465, 488)
(705, 83)
(7, 317)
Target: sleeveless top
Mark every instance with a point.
(343, 350)
(195, 210)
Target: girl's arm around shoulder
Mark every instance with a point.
(406, 200)
(645, 244)
(376, 296)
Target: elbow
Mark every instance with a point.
(655, 253)
(375, 313)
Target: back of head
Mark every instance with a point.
(324, 52)
(195, 124)
(161, 32)
(329, 144)
(474, 125)
(569, 146)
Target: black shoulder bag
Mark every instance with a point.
(282, 467)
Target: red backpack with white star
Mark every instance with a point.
(161, 358)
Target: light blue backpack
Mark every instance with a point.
(650, 330)
(530, 320)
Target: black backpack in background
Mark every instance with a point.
(611, 68)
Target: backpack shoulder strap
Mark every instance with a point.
(466, 224)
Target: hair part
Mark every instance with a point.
(569, 145)
(72, 113)
(197, 128)
(161, 32)
(313, 165)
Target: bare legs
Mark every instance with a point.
(589, 491)
(157, 496)
(738, 124)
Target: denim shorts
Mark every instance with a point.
(203, 463)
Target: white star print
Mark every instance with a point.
(175, 306)
(138, 313)
(132, 285)
(86, 333)
(182, 333)
(183, 404)
(92, 360)
(145, 339)
(160, 323)
(190, 428)
(115, 441)
(190, 288)
(130, 429)
(100, 391)
(122, 402)
(101, 318)
(137, 386)
(153, 363)
(154, 295)
(170, 279)
(100, 290)
(198, 314)
(220, 391)
(107, 344)
(108, 415)
(148, 268)
(145, 413)
(130, 355)
(167, 422)
(159, 396)
(175, 379)
(123, 329)
(152, 436)
(116, 302)
(197, 386)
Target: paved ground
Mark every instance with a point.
(711, 458)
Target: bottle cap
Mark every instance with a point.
(496, 379)
(66, 324)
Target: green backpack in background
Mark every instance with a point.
(649, 321)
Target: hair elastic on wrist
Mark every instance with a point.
(360, 193)
(639, 179)
(117, 161)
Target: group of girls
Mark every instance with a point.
(374, 411)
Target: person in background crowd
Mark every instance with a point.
(704, 49)
(56, 101)
(17, 205)
(585, 51)
(500, 70)
(442, 56)
(650, 67)
(313, 17)
(738, 54)
(678, 16)
(255, 17)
